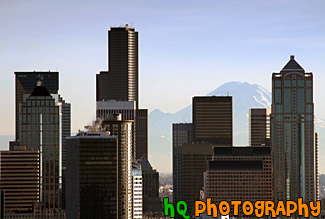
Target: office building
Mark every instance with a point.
(120, 82)
(19, 179)
(194, 158)
(150, 181)
(141, 132)
(292, 134)
(212, 120)
(123, 130)
(239, 173)
(106, 108)
(137, 190)
(25, 83)
(43, 127)
(92, 176)
(259, 127)
(182, 134)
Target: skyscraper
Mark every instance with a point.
(123, 130)
(19, 178)
(92, 176)
(120, 82)
(194, 158)
(43, 126)
(141, 135)
(212, 119)
(292, 134)
(137, 190)
(259, 127)
(25, 84)
(182, 134)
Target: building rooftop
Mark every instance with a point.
(235, 165)
(40, 91)
(242, 151)
(292, 64)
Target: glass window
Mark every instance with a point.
(309, 117)
(308, 95)
(278, 109)
(277, 96)
(301, 83)
(277, 83)
(301, 100)
(287, 100)
(287, 83)
(308, 83)
(309, 108)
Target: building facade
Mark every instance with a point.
(19, 179)
(212, 119)
(120, 82)
(123, 130)
(259, 127)
(43, 127)
(239, 173)
(25, 83)
(137, 190)
(182, 134)
(150, 182)
(92, 176)
(194, 159)
(292, 134)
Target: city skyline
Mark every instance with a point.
(186, 55)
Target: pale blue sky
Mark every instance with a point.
(186, 48)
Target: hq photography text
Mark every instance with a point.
(248, 208)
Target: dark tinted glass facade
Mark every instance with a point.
(212, 119)
(92, 173)
(292, 134)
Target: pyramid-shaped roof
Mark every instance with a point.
(292, 64)
(40, 90)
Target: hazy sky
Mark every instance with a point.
(186, 48)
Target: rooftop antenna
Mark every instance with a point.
(228, 93)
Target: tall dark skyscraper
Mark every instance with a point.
(92, 176)
(120, 82)
(182, 134)
(43, 124)
(212, 119)
(292, 134)
(25, 84)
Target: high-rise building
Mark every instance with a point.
(292, 134)
(212, 119)
(19, 178)
(25, 84)
(123, 130)
(194, 159)
(137, 190)
(141, 132)
(120, 82)
(92, 176)
(150, 182)
(259, 127)
(43, 126)
(182, 134)
(239, 173)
